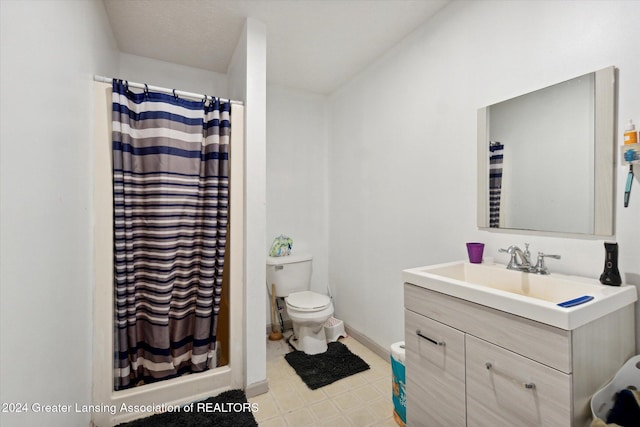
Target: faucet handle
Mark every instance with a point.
(527, 256)
(540, 267)
(510, 250)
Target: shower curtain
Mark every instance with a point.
(496, 154)
(171, 193)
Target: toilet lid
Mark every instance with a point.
(307, 300)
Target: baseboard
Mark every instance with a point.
(381, 351)
(256, 389)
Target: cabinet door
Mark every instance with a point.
(434, 373)
(506, 389)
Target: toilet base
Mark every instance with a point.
(317, 348)
(308, 340)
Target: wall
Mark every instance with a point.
(247, 81)
(297, 186)
(166, 74)
(403, 144)
(49, 53)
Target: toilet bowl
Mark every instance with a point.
(290, 276)
(308, 312)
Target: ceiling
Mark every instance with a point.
(315, 45)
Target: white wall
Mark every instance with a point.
(247, 81)
(166, 74)
(403, 134)
(49, 53)
(297, 184)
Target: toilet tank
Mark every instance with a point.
(289, 273)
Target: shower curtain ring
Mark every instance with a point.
(174, 94)
(146, 90)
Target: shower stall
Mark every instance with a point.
(176, 391)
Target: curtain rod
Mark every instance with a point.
(103, 79)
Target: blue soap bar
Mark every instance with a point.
(576, 301)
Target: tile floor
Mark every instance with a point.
(360, 400)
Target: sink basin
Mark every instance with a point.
(528, 295)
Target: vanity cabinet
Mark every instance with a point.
(471, 365)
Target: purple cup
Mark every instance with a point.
(475, 251)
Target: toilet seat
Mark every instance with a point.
(307, 301)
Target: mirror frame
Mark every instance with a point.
(604, 133)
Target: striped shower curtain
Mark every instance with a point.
(171, 192)
(496, 154)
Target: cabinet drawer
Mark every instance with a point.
(506, 389)
(435, 373)
(553, 345)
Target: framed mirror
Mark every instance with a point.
(546, 159)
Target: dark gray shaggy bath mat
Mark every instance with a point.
(228, 409)
(318, 370)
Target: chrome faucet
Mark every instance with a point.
(521, 261)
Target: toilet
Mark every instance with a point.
(307, 310)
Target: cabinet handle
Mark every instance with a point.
(431, 340)
(529, 385)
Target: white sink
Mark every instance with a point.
(528, 295)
